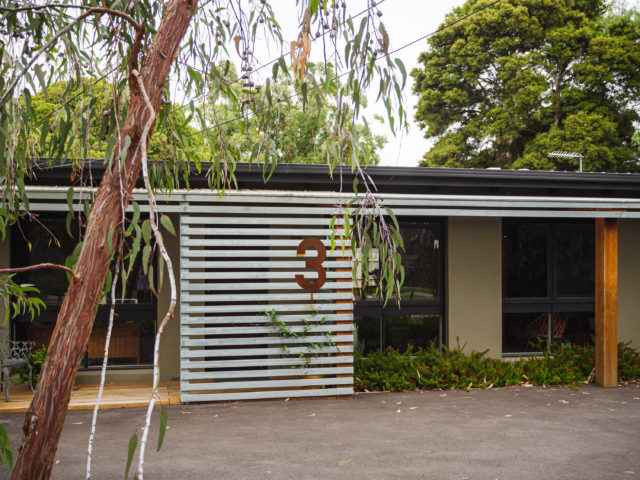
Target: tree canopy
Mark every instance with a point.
(522, 78)
(145, 51)
(70, 100)
(303, 133)
(304, 127)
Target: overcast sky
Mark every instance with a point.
(405, 21)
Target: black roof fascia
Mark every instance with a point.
(407, 180)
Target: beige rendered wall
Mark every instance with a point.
(629, 281)
(474, 283)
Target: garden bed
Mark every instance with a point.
(445, 368)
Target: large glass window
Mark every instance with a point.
(548, 283)
(525, 247)
(418, 320)
(48, 240)
(421, 260)
(575, 257)
(397, 331)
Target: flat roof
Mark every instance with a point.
(415, 180)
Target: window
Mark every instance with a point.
(548, 283)
(134, 327)
(418, 321)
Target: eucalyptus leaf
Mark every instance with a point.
(131, 450)
(165, 220)
(163, 428)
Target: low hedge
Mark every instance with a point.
(445, 368)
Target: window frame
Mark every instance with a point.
(552, 303)
(126, 312)
(433, 307)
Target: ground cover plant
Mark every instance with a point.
(449, 368)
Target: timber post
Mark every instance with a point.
(606, 299)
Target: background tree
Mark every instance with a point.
(525, 77)
(306, 123)
(146, 50)
(63, 98)
(303, 133)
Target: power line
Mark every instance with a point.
(444, 27)
(75, 96)
(270, 62)
(60, 107)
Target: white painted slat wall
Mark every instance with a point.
(238, 262)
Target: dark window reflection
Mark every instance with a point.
(579, 328)
(524, 332)
(531, 332)
(575, 260)
(524, 265)
(49, 243)
(369, 334)
(375, 333)
(134, 328)
(420, 260)
(415, 330)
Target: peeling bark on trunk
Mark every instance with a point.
(45, 417)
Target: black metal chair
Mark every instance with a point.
(13, 354)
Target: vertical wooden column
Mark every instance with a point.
(607, 302)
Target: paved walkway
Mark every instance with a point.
(508, 433)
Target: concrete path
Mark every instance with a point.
(509, 433)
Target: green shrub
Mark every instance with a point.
(36, 360)
(628, 363)
(453, 368)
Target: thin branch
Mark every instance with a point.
(138, 27)
(103, 374)
(39, 266)
(88, 9)
(160, 243)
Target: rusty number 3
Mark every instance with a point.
(315, 263)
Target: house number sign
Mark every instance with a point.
(314, 263)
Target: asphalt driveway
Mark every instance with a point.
(508, 433)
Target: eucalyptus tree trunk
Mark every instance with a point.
(45, 417)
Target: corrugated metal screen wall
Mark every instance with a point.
(248, 329)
